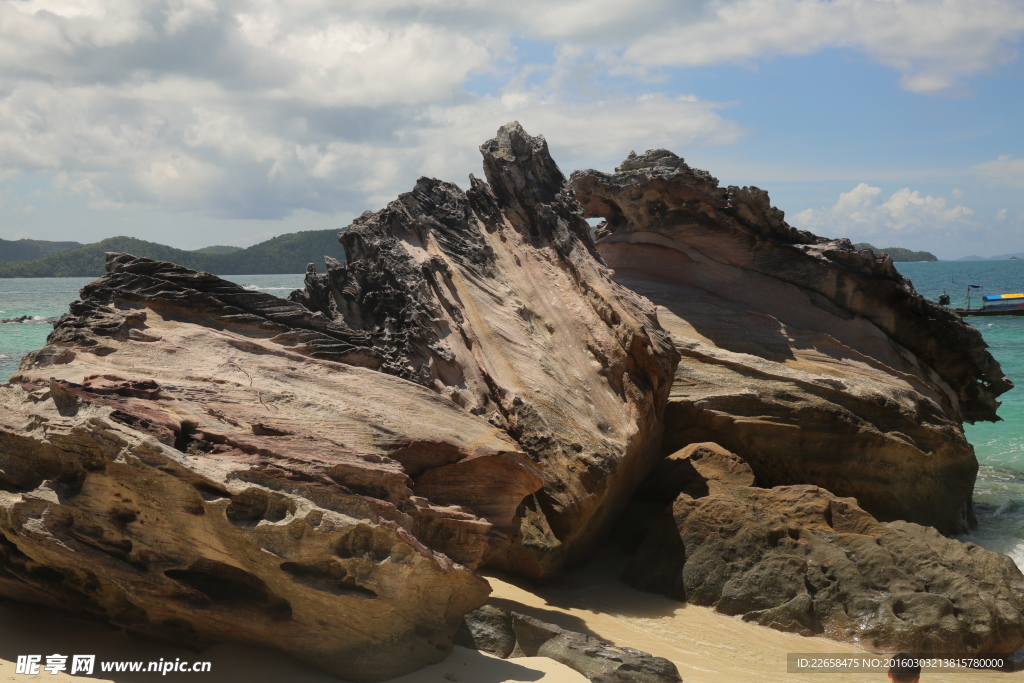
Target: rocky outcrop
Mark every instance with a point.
(196, 462)
(797, 558)
(509, 634)
(496, 299)
(819, 363)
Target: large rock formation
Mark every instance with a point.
(797, 558)
(173, 462)
(197, 462)
(819, 363)
(496, 299)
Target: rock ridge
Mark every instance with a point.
(819, 363)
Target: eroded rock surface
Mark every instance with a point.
(192, 462)
(799, 559)
(495, 298)
(819, 363)
(195, 462)
(509, 634)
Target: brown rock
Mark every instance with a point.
(496, 299)
(819, 363)
(176, 463)
(797, 558)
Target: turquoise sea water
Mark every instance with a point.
(47, 298)
(999, 492)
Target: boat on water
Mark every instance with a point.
(251, 288)
(997, 304)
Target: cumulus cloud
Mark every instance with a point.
(861, 215)
(1004, 170)
(260, 108)
(932, 44)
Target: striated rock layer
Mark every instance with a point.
(197, 462)
(797, 558)
(173, 462)
(496, 299)
(819, 363)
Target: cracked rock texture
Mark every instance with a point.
(197, 462)
(819, 363)
(799, 559)
(496, 299)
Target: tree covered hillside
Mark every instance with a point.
(899, 254)
(280, 255)
(23, 250)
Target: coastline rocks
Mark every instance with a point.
(509, 634)
(190, 461)
(496, 299)
(819, 363)
(799, 559)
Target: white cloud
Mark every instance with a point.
(860, 215)
(1001, 215)
(1004, 170)
(261, 108)
(933, 45)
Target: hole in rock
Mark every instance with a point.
(328, 576)
(230, 586)
(251, 506)
(362, 542)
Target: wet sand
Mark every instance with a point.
(706, 646)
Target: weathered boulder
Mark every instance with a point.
(799, 559)
(819, 363)
(196, 462)
(496, 299)
(506, 634)
(488, 629)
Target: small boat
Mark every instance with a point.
(251, 288)
(998, 304)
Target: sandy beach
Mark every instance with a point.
(707, 647)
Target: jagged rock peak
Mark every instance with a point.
(497, 299)
(661, 162)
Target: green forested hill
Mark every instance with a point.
(284, 254)
(23, 250)
(899, 254)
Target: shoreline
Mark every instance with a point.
(707, 647)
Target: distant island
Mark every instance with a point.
(1016, 256)
(280, 255)
(899, 254)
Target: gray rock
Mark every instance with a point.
(489, 629)
(799, 559)
(597, 660)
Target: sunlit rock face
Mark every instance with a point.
(496, 299)
(195, 462)
(819, 363)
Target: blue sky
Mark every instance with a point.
(191, 123)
